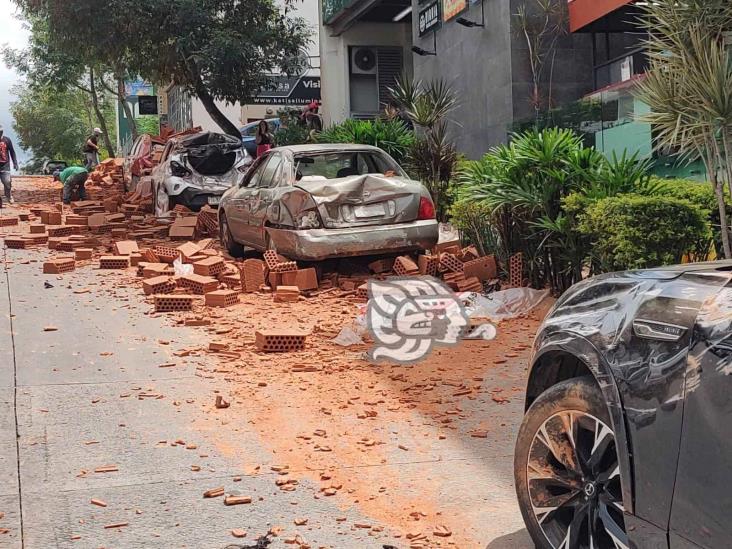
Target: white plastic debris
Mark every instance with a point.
(505, 304)
(348, 337)
(182, 269)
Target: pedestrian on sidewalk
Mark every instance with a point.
(7, 154)
(73, 177)
(263, 138)
(91, 150)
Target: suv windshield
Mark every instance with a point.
(334, 165)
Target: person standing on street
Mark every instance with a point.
(91, 150)
(73, 177)
(7, 154)
(264, 138)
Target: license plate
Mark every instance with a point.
(214, 200)
(369, 210)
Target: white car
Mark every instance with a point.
(195, 170)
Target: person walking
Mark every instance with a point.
(263, 138)
(73, 177)
(7, 155)
(91, 150)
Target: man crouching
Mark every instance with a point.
(73, 177)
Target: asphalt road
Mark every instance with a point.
(82, 388)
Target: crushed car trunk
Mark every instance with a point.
(363, 200)
(211, 153)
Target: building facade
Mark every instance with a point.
(477, 47)
(367, 45)
(505, 64)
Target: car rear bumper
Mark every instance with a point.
(195, 199)
(319, 244)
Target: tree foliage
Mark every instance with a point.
(216, 50)
(52, 124)
(689, 87)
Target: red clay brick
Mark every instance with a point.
(211, 266)
(304, 279)
(114, 262)
(59, 266)
(173, 303)
(198, 284)
(286, 294)
(484, 268)
(404, 266)
(159, 285)
(126, 247)
(279, 341)
(83, 253)
(222, 298)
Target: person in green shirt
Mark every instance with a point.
(73, 177)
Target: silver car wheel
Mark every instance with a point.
(574, 483)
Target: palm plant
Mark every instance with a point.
(433, 156)
(526, 186)
(390, 135)
(689, 87)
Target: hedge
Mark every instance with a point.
(635, 232)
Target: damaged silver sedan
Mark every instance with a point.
(315, 202)
(196, 169)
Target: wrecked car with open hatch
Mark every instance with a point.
(315, 202)
(195, 170)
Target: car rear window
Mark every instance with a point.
(344, 164)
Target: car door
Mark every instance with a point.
(702, 496)
(237, 211)
(129, 160)
(262, 198)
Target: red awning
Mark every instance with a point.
(584, 12)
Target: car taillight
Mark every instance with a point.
(426, 209)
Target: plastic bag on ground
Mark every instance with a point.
(505, 304)
(182, 269)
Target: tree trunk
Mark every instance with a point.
(209, 103)
(129, 115)
(100, 115)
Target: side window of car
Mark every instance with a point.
(270, 171)
(255, 173)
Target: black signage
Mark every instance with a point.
(429, 18)
(290, 91)
(148, 104)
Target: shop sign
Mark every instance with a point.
(453, 8)
(429, 17)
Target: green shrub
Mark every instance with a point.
(475, 222)
(392, 136)
(702, 195)
(635, 232)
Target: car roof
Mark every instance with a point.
(248, 124)
(327, 147)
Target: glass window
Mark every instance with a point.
(269, 175)
(344, 164)
(255, 173)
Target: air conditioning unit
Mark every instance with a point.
(363, 60)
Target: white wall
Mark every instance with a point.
(334, 72)
(202, 118)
